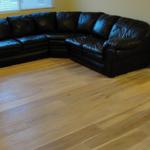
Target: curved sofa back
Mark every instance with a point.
(5, 31)
(21, 25)
(126, 28)
(96, 23)
(45, 22)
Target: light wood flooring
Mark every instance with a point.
(57, 104)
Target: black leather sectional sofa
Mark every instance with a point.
(112, 45)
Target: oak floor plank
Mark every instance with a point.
(57, 104)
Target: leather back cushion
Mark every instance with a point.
(103, 25)
(126, 28)
(45, 21)
(86, 21)
(67, 21)
(22, 25)
(4, 29)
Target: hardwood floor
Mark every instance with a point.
(57, 104)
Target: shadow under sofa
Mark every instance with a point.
(112, 45)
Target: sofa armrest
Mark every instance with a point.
(122, 44)
(122, 61)
(148, 34)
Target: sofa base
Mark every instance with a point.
(101, 68)
(23, 58)
(59, 53)
(89, 63)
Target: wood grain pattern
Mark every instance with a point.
(57, 104)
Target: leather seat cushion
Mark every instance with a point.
(4, 29)
(103, 25)
(22, 25)
(58, 36)
(57, 40)
(67, 21)
(126, 28)
(45, 21)
(94, 49)
(94, 45)
(9, 47)
(33, 40)
(78, 39)
(86, 21)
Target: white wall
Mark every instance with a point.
(139, 9)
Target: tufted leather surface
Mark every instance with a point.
(4, 29)
(67, 21)
(78, 39)
(9, 48)
(58, 36)
(122, 44)
(34, 39)
(86, 21)
(22, 25)
(103, 25)
(94, 45)
(45, 21)
(94, 49)
(126, 28)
